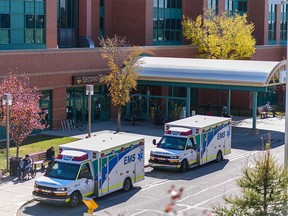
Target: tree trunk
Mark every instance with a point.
(17, 150)
(119, 119)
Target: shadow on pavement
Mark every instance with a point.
(115, 198)
(192, 173)
(248, 139)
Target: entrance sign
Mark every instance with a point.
(85, 79)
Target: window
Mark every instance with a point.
(4, 28)
(68, 23)
(34, 32)
(167, 29)
(191, 143)
(283, 24)
(85, 171)
(272, 24)
(101, 31)
(213, 5)
(22, 23)
(239, 6)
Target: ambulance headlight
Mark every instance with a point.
(61, 189)
(174, 157)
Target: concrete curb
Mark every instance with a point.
(24, 204)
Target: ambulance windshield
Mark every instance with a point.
(62, 170)
(175, 143)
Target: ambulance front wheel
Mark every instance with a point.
(127, 185)
(184, 166)
(219, 156)
(75, 199)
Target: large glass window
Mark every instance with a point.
(272, 24)
(283, 24)
(67, 23)
(22, 22)
(4, 28)
(238, 6)
(167, 22)
(101, 32)
(35, 28)
(213, 5)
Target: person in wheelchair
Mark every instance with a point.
(25, 167)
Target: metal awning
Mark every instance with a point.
(212, 71)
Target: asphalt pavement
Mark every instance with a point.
(15, 193)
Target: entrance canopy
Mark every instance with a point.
(247, 75)
(213, 71)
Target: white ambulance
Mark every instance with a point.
(92, 168)
(192, 141)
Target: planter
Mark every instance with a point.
(14, 164)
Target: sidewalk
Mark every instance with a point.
(15, 193)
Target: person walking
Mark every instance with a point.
(209, 108)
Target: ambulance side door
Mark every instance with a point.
(192, 150)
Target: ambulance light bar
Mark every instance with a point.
(179, 131)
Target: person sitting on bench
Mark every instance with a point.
(24, 167)
(270, 109)
(50, 155)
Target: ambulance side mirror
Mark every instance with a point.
(89, 176)
(154, 142)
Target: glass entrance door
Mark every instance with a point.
(96, 112)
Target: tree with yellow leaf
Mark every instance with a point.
(123, 62)
(221, 36)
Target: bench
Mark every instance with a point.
(262, 112)
(39, 158)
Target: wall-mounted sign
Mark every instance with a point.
(85, 79)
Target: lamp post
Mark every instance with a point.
(7, 100)
(89, 92)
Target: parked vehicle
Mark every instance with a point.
(92, 167)
(191, 142)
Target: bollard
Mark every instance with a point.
(91, 204)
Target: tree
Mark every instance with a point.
(263, 190)
(221, 36)
(24, 113)
(123, 64)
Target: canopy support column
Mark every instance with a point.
(228, 101)
(188, 101)
(254, 109)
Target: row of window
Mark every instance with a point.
(167, 4)
(22, 22)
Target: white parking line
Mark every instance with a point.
(202, 191)
(197, 205)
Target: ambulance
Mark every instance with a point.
(191, 142)
(91, 168)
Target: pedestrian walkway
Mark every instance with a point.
(15, 193)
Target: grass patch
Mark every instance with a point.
(31, 145)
